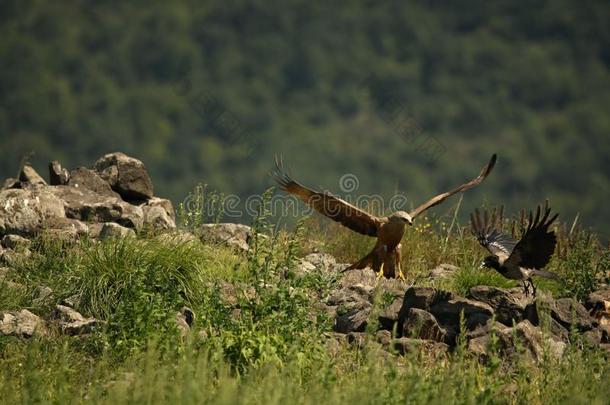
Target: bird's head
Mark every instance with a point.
(490, 262)
(402, 216)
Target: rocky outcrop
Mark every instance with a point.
(489, 320)
(117, 190)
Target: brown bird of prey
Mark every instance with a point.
(517, 260)
(389, 230)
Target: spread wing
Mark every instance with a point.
(537, 244)
(496, 242)
(326, 204)
(442, 197)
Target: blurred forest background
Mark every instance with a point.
(409, 96)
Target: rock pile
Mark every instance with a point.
(112, 198)
(406, 318)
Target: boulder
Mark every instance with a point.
(112, 230)
(126, 175)
(358, 277)
(15, 242)
(86, 178)
(352, 317)
(58, 176)
(523, 335)
(65, 229)
(21, 324)
(423, 325)
(569, 312)
(448, 313)
(324, 262)
(29, 177)
(72, 322)
(10, 183)
(234, 235)
(88, 206)
(25, 211)
(159, 214)
(508, 305)
(388, 317)
(598, 304)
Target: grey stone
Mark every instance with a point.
(22, 324)
(508, 306)
(58, 176)
(29, 177)
(86, 178)
(423, 325)
(126, 175)
(234, 235)
(25, 212)
(112, 230)
(88, 206)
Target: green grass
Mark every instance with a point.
(274, 349)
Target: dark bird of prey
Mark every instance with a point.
(517, 260)
(389, 230)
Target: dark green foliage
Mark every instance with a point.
(209, 92)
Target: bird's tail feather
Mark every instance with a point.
(545, 274)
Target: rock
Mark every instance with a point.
(58, 176)
(126, 175)
(598, 304)
(443, 271)
(388, 318)
(406, 345)
(13, 258)
(15, 242)
(65, 229)
(29, 177)
(524, 335)
(87, 178)
(303, 267)
(10, 183)
(88, 206)
(506, 305)
(324, 262)
(111, 230)
(232, 294)
(22, 324)
(384, 337)
(605, 330)
(72, 322)
(593, 337)
(356, 339)
(42, 295)
(234, 235)
(423, 298)
(564, 312)
(157, 217)
(448, 313)
(569, 312)
(422, 325)
(358, 277)
(352, 317)
(179, 237)
(25, 212)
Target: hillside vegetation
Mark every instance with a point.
(408, 96)
(269, 340)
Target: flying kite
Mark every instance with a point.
(384, 259)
